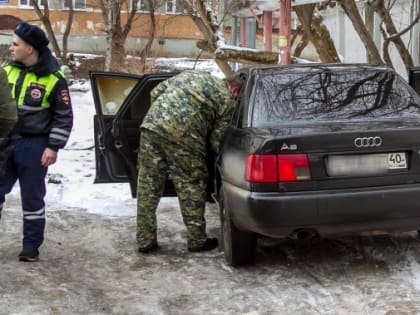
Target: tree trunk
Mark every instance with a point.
(203, 19)
(67, 32)
(385, 15)
(144, 53)
(351, 10)
(117, 46)
(45, 19)
(317, 33)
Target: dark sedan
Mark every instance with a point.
(319, 150)
(312, 150)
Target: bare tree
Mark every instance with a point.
(388, 29)
(44, 16)
(351, 10)
(391, 34)
(145, 51)
(316, 32)
(209, 24)
(116, 31)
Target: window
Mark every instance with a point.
(77, 4)
(174, 6)
(143, 5)
(306, 95)
(28, 3)
(165, 6)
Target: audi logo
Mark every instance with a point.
(368, 142)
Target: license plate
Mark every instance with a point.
(365, 164)
(397, 161)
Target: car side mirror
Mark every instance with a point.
(414, 79)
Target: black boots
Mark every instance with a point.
(29, 255)
(209, 244)
(150, 248)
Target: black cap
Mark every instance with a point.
(33, 35)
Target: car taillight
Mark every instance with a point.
(293, 167)
(261, 168)
(277, 168)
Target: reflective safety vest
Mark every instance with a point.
(47, 82)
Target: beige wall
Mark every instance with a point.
(90, 22)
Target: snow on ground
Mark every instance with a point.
(89, 264)
(75, 166)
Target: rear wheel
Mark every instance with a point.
(239, 247)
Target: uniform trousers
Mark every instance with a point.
(24, 165)
(188, 168)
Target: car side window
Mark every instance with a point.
(112, 92)
(238, 114)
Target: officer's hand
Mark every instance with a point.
(48, 157)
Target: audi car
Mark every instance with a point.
(312, 150)
(316, 151)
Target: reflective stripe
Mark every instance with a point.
(59, 130)
(58, 137)
(29, 213)
(31, 108)
(49, 81)
(34, 217)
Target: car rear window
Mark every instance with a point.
(322, 95)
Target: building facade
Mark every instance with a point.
(176, 33)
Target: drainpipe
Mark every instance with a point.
(234, 31)
(268, 31)
(285, 31)
(251, 33)
(242, 32)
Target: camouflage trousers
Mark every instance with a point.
(187, 165)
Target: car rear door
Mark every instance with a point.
(121, 102)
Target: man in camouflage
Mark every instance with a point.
(186, 110)
(8, 118)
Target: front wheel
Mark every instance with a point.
(239, 246)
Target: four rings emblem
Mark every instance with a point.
(368, 142)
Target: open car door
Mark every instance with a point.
(121, 102)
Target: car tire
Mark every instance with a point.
(238, 246)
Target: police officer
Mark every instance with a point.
(186, 110)
(45, 119)
(8, 118)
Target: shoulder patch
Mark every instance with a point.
(65, 97)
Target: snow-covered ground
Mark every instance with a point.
(89, 263)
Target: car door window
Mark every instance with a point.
(113, 91)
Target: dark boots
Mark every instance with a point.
(209, 244)
(29, 255)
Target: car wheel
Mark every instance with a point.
(238, 246)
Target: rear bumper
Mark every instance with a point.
(333, 212)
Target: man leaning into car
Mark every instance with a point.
(186, 111)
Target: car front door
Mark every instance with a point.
(121, 102)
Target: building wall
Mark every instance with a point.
(350, 46)
(175, 36)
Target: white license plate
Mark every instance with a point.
(365, 164)
(397, 161)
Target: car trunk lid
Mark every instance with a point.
(345, 155)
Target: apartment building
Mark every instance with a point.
(175, 35)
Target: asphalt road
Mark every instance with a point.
(89, 265)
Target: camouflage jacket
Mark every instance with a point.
(190, 108)
(8, 111)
